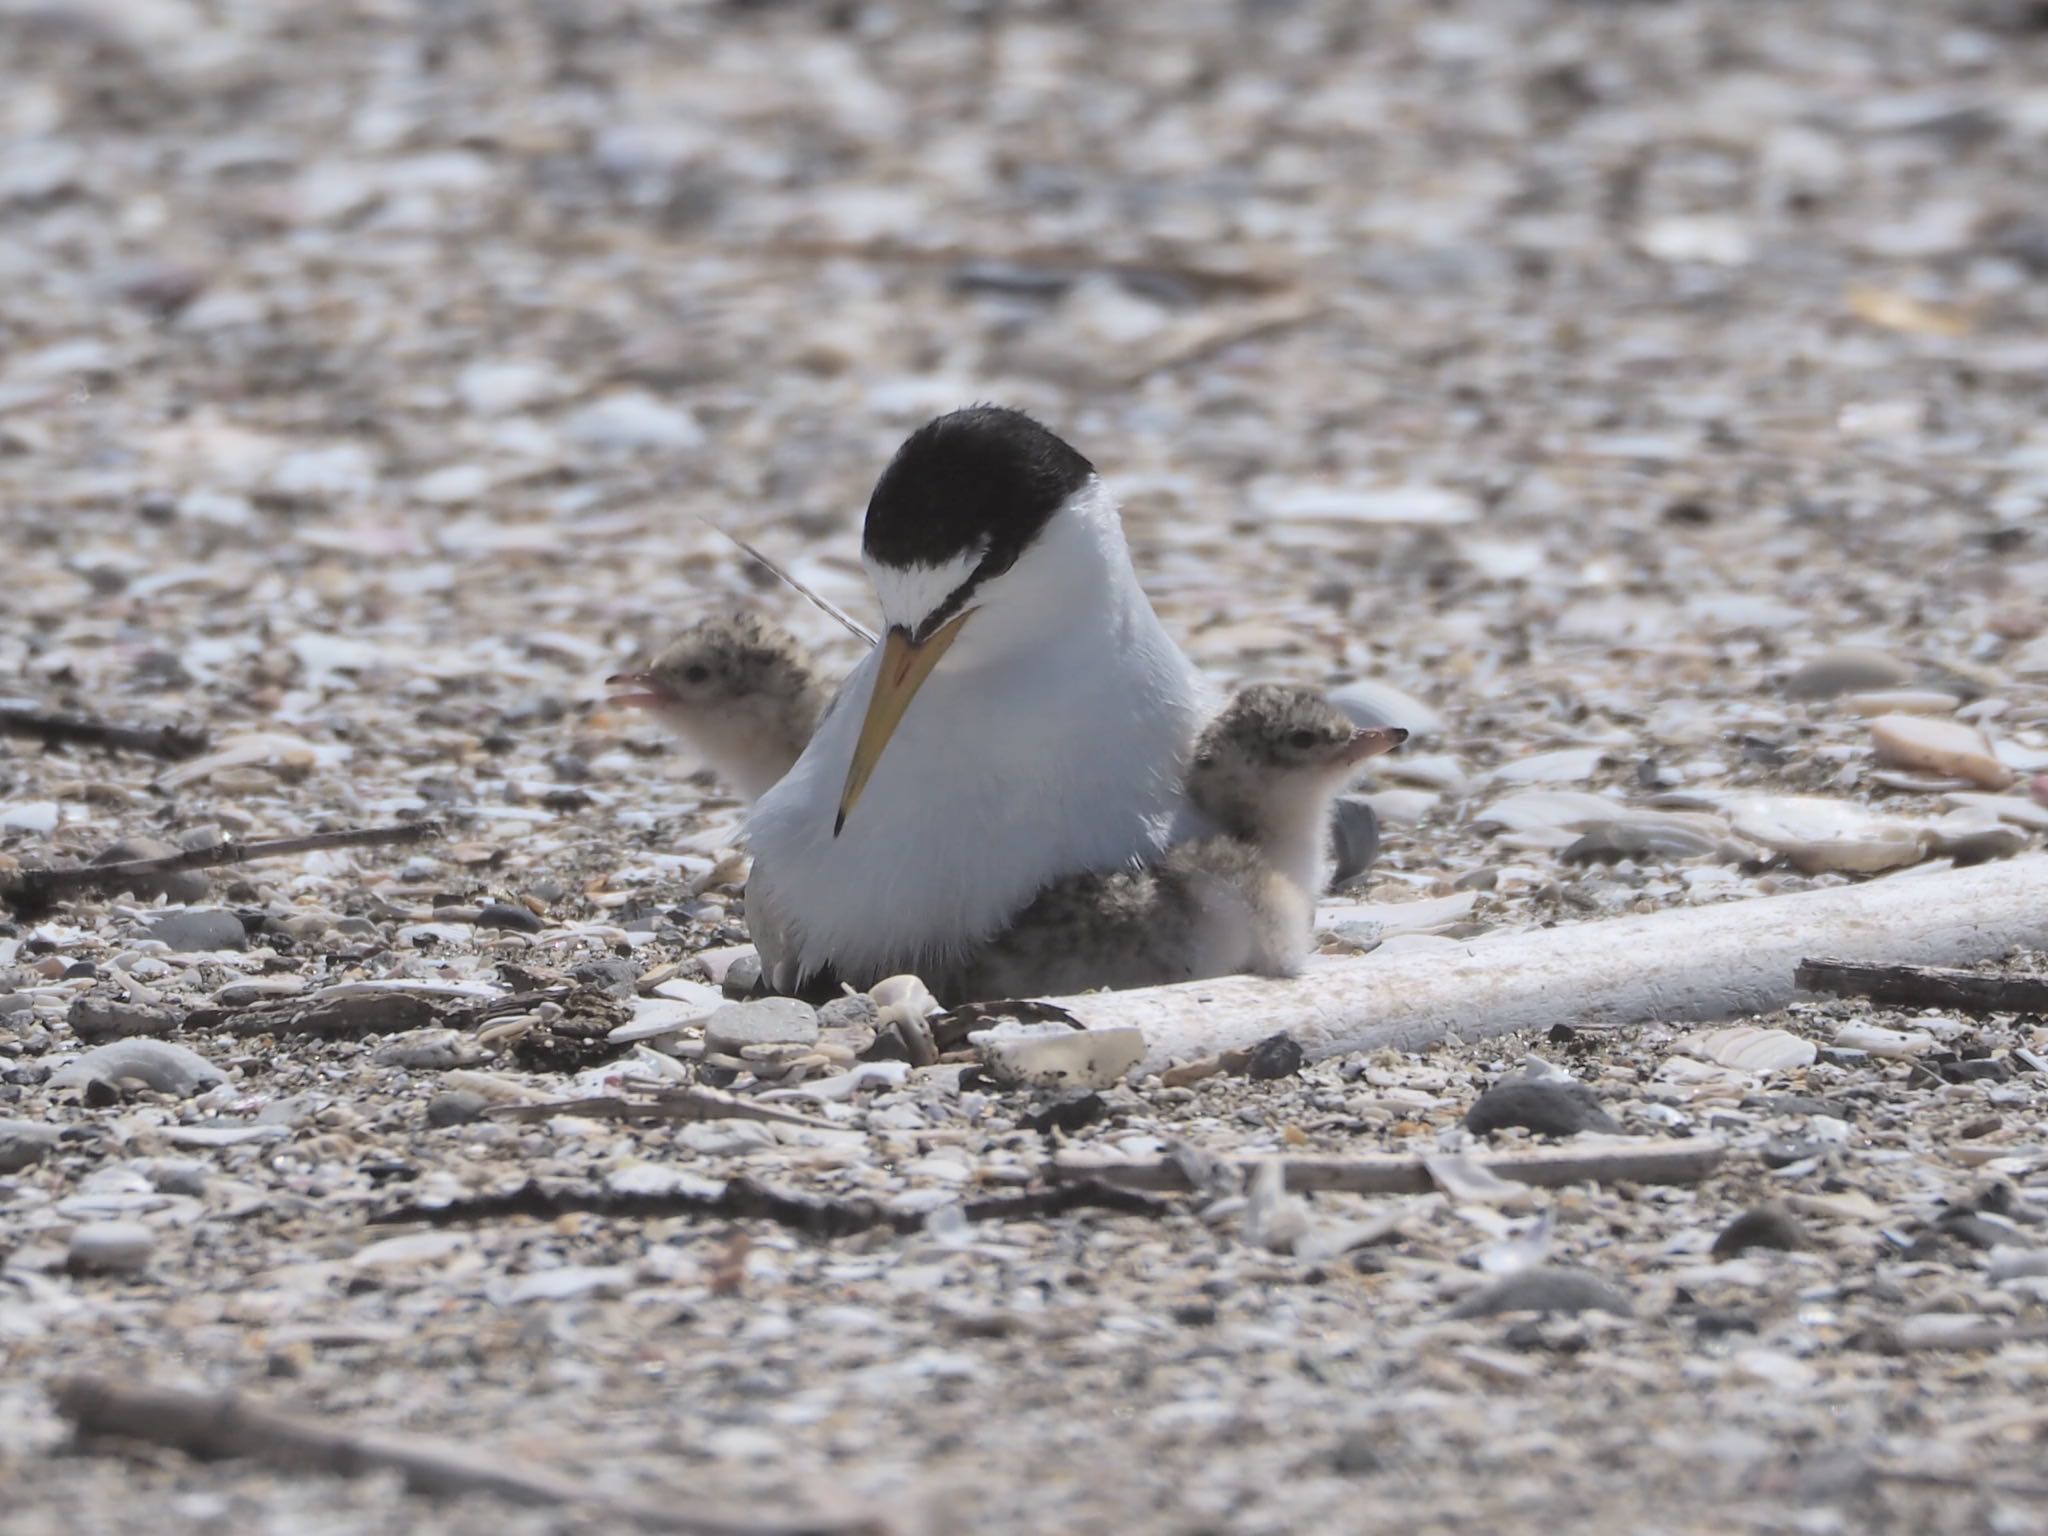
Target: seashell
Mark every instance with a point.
(1939, 746)
(1747, 1048)
(903, 997)
(1818, 834)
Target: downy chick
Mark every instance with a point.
(1264, 773)
(740, 690)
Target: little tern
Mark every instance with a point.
(1025, 717)
(741, 690)
(1265, 774)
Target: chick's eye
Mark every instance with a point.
(696, 672)
(1302, 740)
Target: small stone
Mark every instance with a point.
(456, 1107)
(1784, 1151)
(1765, 1226)
(179, 885)
(1277, 1056)
(742, 977)
(1939, 746)
(1545, 1289)
(1068, 1113)
(24, 1143)
(109, 1248)
(1549, 1106)
(199, 929)
(857, 1012)
(505, 915)
(94, 1018)
(765, 1021)
(1848, 669)
(1354, 839)
(156, 1064)
(1062, 1058)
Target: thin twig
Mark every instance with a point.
(1925, 986)
(169, 741)
(1633, 1162)
(37, 889)
(213, 1426)
(1225, 332)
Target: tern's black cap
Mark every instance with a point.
(985, 479)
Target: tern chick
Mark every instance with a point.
(1264, 773)
(740, 690)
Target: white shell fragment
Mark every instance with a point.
(1939, 746)
(1746, 1048)
(1060, 1057)
(1818, 834)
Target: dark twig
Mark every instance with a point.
(170, 741)
(1925, 986)
(212, 1426)
(34, 890)
(744, 1200)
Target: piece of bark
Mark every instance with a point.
(1684, 965)
(1925, 986)
(210, 1426)
(742, 1200)
(32, 891)
(166, 741)
(1393, 1173)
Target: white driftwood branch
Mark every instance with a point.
(1616, 1160)
(1681, 966)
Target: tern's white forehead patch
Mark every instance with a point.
(909, 593)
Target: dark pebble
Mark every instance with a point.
(1714, 1322)
(1784, 1151)
(1981, 1069)
(1548, 1106)
(1358, 1455)
(199, 929)
(1545, 1290)
(504, 915)
(742, 977)
(1069, 1112)
(1274, 1057)
(1766, 1226)
(456, 1107)
(1195, 1314)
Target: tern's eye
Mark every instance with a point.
(1302, 740)
(696, 673)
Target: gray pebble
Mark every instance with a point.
(181, 885)
(24, 1143)
(1765, 1226)
(1848, 669)
(109, 1247)
(855, 1012)
(766, 1021)
(1549, 1106)
(199, 929)
(1354, 838)
(1545, 1289)
(457, 1107)
(504, 915)
(156, 1064)
(742, 977)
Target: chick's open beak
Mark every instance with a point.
(642, 691)
(905, 666)
(1370, 743)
